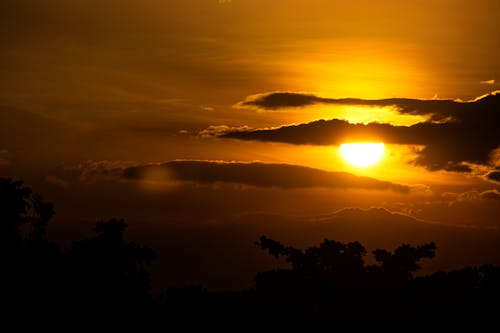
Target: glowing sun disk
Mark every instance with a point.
(362, 154)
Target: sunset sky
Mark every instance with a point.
(206, 123)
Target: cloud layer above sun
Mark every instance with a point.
(456, 135)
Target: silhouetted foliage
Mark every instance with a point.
(329, 286)
(326, 288)
(108, 268)
(403, 262)
(339, 260)
(24, 214)
(330, 256)
(29, 261)
(100, 274)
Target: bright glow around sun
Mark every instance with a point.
(362, 154)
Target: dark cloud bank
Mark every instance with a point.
(284, 176)
(495, 176)
(457, 133)
(438, 109)
(491, 194)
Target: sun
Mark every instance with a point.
(362, 154)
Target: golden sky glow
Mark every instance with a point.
(368, 68)
(365, 115)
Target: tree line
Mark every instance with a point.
(328, 287)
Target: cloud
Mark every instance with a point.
(54, 180)
(284, 176)
(495, 176)
(92, 171)
(258, 174)
(218, 130)
(468, 196)
(491, 82)
(458, 134)
(438, 109)
(278, 100)
(373, 214)
(491, 194)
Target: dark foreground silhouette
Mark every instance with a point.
(323, 288)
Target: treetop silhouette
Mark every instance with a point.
(325, 288)
(348, 258)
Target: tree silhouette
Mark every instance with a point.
(101, 274)
(326, 287)
(400, 265)
(331, 280)
(107, 268)
(30, 262)
(23, 214)
(331, 256)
